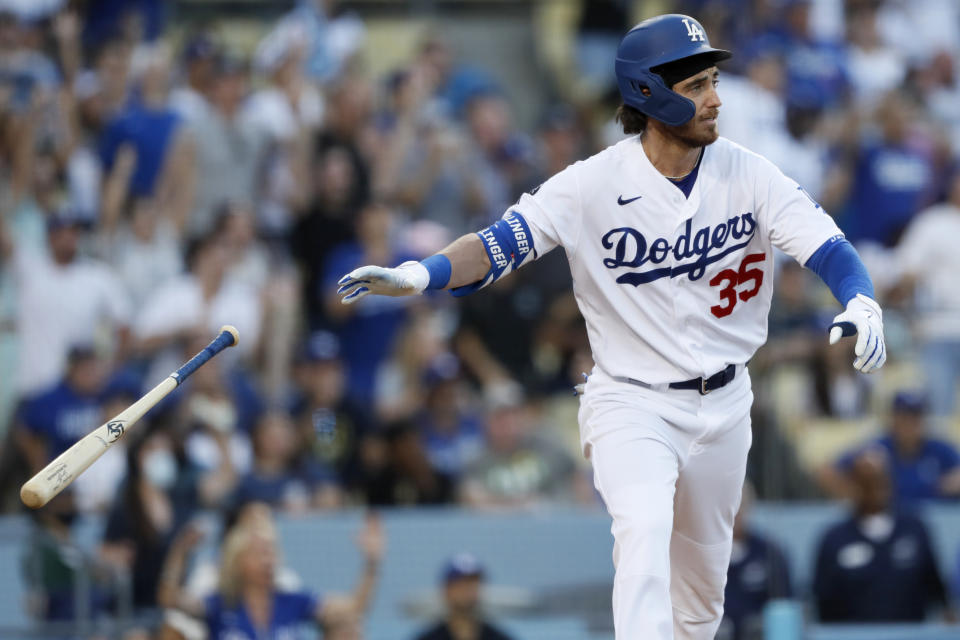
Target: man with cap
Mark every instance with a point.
(63, 299)
(462, 578)
(670, 235)
(922, 467)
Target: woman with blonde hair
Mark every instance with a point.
(249, 604)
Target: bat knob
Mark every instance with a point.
(232, 330)
(31, 497)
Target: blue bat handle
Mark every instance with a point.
(221, 342)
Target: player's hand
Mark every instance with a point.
(864, 318)
(409, 279)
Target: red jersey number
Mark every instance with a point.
(730, 279)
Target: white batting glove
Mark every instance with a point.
(864, 318)
(409, 279)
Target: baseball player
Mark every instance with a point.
(670, 237)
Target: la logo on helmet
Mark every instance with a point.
(694, 31)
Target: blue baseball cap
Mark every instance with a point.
(462, 565)
(910, 402)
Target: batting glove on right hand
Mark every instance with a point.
(409, 279)
(864, 318)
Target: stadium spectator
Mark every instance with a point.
(333, 430)
(462, 578)
(142, 242)
(893, 175)
(276, 480)
(199, 57)
(57, 417)
(158, 497)
(62, 299)
(452, 433)
(249, 603)
(231, 151)
(930, 264)
(758, 573)
(164, 164)
(182, 579)
(395, 470)
(877, 565)
(55, 567)
(921, 466)
(198, 303)
(366, 333)
(519, 468)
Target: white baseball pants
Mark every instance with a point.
(670, 466)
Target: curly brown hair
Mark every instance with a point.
(633, 121)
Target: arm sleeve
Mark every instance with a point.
(795, 223)
(838, 264)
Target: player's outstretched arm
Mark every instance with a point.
(463, 262)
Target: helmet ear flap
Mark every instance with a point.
(646, 92)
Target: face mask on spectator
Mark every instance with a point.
(160, 469)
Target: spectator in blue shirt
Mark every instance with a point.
(877, 565)
(462, 578)
(277, 478)
(53, 420)
(921, 467)
(758, 573)
(892, 178)
(250, 605)
(366, 332)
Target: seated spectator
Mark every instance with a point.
(758, 573)
(462, 578)
(55, 419)
(159, 496)
(395, 470)
(276, 479)
(922, 467)
(877, 565)
(452, 434)
(331, 427)
(519, 468)
(249, 604)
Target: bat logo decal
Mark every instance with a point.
(114, 430)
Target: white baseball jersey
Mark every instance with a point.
(672, 288)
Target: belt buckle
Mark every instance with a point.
(703, 386)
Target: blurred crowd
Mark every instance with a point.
(157, 182)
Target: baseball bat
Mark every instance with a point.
(55, 477)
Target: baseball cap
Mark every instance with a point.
(462, 565)
(322, 346)
(910, 402)
(65, 216)
(199, 47)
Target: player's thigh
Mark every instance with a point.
(709, 486)
(635, 472)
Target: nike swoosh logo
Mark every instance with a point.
(621, 201)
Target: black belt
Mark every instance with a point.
(706, 385)
(703, 385)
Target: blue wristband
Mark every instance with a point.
(439, 268)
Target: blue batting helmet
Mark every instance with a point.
(646, 49)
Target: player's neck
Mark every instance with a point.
(671, 157)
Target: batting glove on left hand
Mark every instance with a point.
(864, 318)
(409, 279)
